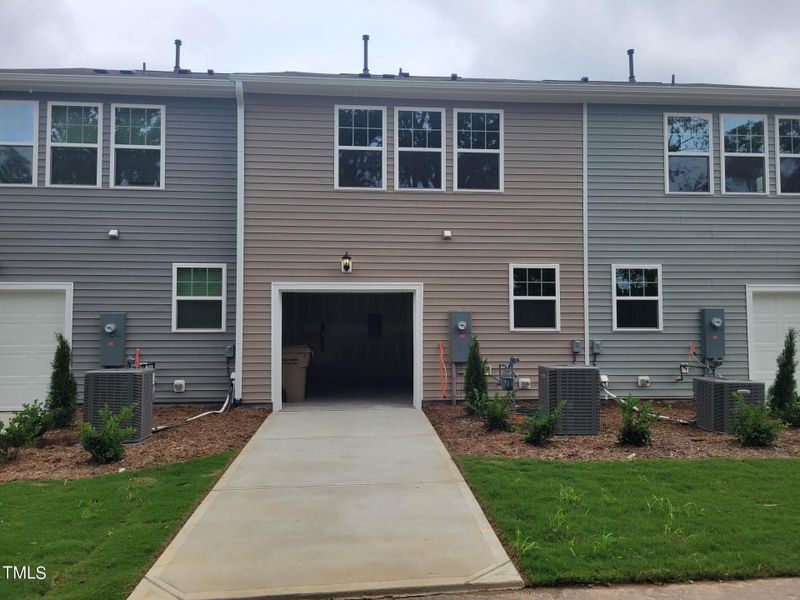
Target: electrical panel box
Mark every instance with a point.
(460, 336)
(112, 339)
(712, 333)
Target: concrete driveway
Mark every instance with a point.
(327, 501)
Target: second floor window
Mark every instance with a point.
(419, 153)
(360, 154)
(788, 155)
(744, 154)
(688, 153)
(74, 147)
(478, 144)
(18, 142)
(137, 146)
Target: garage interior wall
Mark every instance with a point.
(362, 339)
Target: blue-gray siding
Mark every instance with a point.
(56, 234)
(709, 247)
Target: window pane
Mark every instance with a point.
(548, 274)
(744, 174)
(520, 288)
(360, 127)
(687, 134)
(478, 171)
(790, 175)
(535, 314)
(16, 164)
(405, 138)
(360, 168)
(141, 168)
(623, 282)
(744, 134)
(345, 117)
(73, 166)
(199, 314)
(789, 136)
(637, 314)
(420, 170)
(637, 282)
(74, 124)
(534, 275)
(16, 122)
(688, 174)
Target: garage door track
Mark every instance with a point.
(325, 502)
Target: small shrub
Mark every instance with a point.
(27, 426)
(63, 392)
(496, 411)
(105, 445)
(754, 426)
(541, 427)
(476, 387)
(637, 417)
(783, 398)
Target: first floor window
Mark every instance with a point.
(479, 150)
(137, 146)
(419, 137)
(18, 142)
(637, 297)
(360, 134)
(789, 155)
(744, 154)
(534, 297)
(688, 153)
(198, 297)
(74, 144)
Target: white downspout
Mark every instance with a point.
(586, 354)
(237, 393)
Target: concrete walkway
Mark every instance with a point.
(328, 502)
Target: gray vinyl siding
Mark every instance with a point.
(60, 235)
(709, 247)
(297, 226)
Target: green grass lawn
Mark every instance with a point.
(96, 536)
(643, 520)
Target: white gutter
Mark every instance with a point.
(237, 392)
(140, 85)
(585, 178)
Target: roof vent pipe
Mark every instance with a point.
(177, 56)
(631, 76)
(365, 71)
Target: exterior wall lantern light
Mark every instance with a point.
(347, 263)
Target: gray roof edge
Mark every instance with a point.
(519, 91)
(116, 84)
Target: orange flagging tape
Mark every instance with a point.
(442, 372)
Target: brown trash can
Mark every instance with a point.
(295, 367)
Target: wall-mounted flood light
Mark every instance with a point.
(347, 263)
(113, 234)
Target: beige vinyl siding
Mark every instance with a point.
(297, 227)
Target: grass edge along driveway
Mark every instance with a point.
(97, 536)
(649, 520)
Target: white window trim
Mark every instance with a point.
(35, 157)
(398, 149)
(175, 298)
(723, 155)
(162, 147)
(382, 149)
(98, 145)
(709, 154)
(512, 298)
(779, 155)
(660, 298)
(501, 151)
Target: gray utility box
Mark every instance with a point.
(460, 336)
(712, 333)
(112, 339)
(578, 386)
(715, 404)
(119, 388)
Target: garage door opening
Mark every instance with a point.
(362, 345)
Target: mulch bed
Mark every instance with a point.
(60, 456)
(464, 434)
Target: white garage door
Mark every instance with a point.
(773, 313)
(29, 320)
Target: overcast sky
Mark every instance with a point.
(717, 41)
